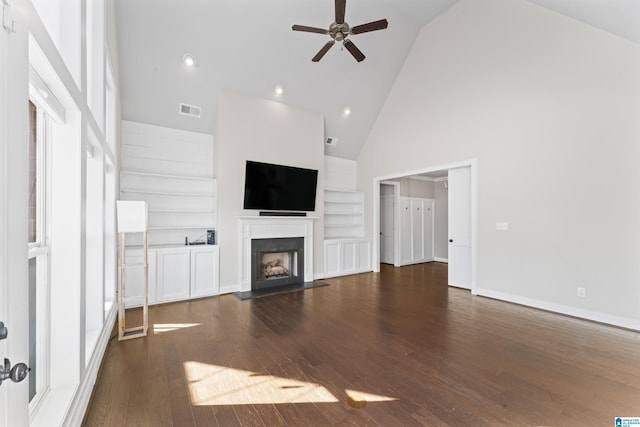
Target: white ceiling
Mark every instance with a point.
(247, 46)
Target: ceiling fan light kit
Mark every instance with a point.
(340, 30)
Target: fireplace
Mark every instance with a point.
(273, 227)
(277, 262)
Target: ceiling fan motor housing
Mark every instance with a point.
(339, 32)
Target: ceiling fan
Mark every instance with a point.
(340, 30)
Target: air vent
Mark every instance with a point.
(332, 141)
(190, 110)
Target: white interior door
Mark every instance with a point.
(14, 296)
(387, 229)
(460, 227)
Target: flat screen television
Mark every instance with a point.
(272, 187)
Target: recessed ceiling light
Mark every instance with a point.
(347, 111)
(278, 90)
(189, 60)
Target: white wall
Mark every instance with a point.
(549, 107)
(265, 131)
(412, 187)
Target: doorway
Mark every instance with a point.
(389, 238)
(453, 220)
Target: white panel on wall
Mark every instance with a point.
(340, 174)
(156, 149)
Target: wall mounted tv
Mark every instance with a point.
(271, 187)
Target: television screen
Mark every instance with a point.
(279, 188)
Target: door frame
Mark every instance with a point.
(14, 295)
(396, 223)
(472, 164)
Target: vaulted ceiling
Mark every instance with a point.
(247, 46)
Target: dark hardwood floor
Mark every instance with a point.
(398, 348)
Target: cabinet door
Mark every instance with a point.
(348, 257)
(204, 271)
(331, 259)
(364, 256)
(172, 274)
(133, 278)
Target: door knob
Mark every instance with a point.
(450, 240)
(16, 374)
(3, 331)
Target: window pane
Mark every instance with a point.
(33, 174)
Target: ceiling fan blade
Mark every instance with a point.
(354, 50)
(340, 7)
(322, 51)
(371, 26)
(309, 29)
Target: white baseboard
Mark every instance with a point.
(318, 276)
(438, 259)
(229, 289)
(623, 322)
(420, 261)
(80, 401)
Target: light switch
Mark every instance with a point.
(502, 226)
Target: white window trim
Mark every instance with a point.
(40, 250)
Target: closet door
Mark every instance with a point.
(417, 224)
(406, 253)
(428, 226)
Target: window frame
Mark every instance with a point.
(40, 250)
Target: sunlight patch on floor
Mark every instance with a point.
(159, 328)
(368, 397)
(220, 385)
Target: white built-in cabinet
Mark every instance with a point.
(205, 265)
(346, 256)
(345, 249)
(416, 230)
(175, 273)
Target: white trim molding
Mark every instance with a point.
(80, 401)
(595, 316)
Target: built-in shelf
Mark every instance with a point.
(181, 227)
(179, 206)
(204, 211)
(343, 214)
(159, 175)
(163, 193)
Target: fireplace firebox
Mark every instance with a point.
(277, 262)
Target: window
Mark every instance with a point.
(38, 255)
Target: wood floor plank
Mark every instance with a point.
(412, 351)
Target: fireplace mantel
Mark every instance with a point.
(273, 227)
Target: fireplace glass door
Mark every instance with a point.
(277, 262)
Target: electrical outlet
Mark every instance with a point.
(582, 292)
